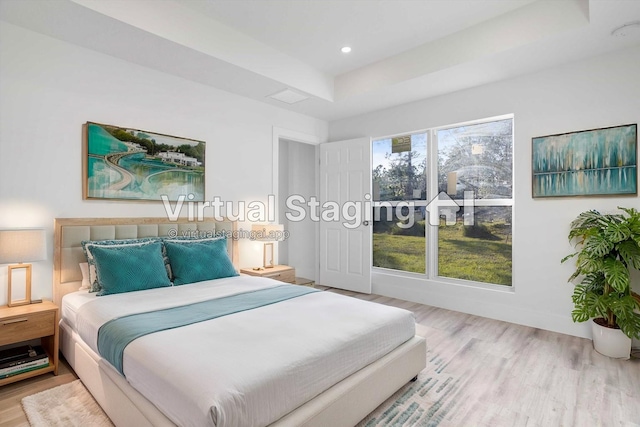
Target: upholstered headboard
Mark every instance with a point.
(70, 232)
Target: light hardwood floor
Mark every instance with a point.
(11, 413)
(512, 375)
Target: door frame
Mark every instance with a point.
(279, 133)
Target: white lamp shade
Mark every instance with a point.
(267, 232)
(22, 245)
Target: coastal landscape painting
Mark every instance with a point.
(599, 162)
(131, 164)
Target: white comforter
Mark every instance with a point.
(249, 368)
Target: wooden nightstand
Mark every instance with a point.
(284, 273)
(27, 322)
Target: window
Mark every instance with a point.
(477, 160)
(443, 202)
(399, 200)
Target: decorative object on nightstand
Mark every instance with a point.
(267, 233)
(283, 273)
(19, 325)
(21, 245)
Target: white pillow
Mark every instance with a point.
(86, 284)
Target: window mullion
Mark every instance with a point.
(432, 192)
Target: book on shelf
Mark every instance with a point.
(18, 356)
(26, 367)
(16, 353)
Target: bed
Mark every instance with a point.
(298, 357)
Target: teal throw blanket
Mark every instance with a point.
(116, 334)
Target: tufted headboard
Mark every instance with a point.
(70, 232)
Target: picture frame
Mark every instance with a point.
(122, 163)
(596, 162)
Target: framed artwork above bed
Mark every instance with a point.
(130, 164)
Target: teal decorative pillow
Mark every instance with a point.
(198, 260)
(190, 236)
(88, 245)
(127, 268)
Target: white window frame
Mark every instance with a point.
(431, 234)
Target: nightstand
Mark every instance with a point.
(27, 322)
(283, 273)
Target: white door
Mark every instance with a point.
(345, 243)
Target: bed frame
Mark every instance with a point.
(344, 404)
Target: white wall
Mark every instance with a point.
(49, 88)
(599, 92)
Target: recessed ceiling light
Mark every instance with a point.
(630, 29)
(345, 49)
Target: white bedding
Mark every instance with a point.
(249, 368)
(72, 303)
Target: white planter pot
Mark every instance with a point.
(610, 342)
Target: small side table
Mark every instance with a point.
(283, 273)
(27, 322)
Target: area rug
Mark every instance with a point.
(425, 402)
(421, 403)
(66, 405)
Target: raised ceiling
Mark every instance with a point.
(402, 50)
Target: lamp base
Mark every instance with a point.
(27, 291)
(264, 256)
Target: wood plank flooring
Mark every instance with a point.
(11, 413)
(514, 375)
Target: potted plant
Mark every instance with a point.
(608, 248)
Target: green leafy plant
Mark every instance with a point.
(608, 248)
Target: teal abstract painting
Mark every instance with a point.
(586, 163)
(130, 164)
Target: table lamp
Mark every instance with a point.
(19, 246)
(267, 233)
